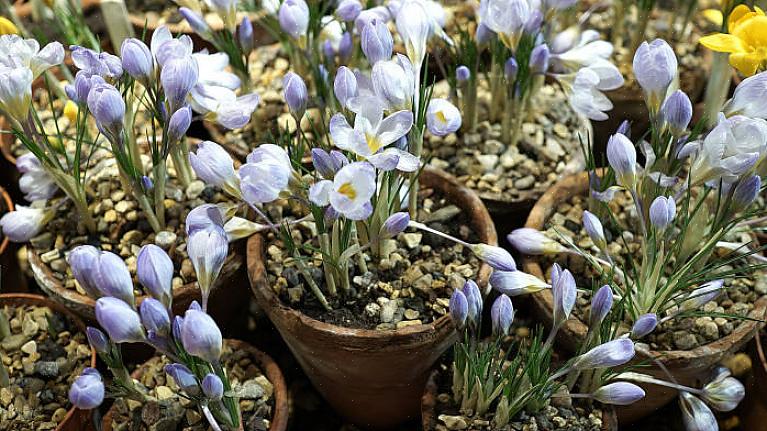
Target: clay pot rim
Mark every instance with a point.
(10, 207)
(413, 334)
(138, 20)
(268, 368)
(24, 8)
(39, 300)
(429, 406)
(574, 327)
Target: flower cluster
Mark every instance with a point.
(192, 342)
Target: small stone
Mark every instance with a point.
(487, 162)
(524, 183)
(195, 189)
(453, 422)
(372, 309)
(13, 342)
(59, 414)
(110, 216)
(251, 389)
(47, 369)
(165, 239)
(411, 314)
(295, 294)
(29, 347)
(443, 214)
(163, 392)
(387, 311)
(423, 283)
(406, 323)
(685, 340)
(6, 396)
(740, 364)
(412, 240)
(123, 206)
(29, 327)
(43, 241)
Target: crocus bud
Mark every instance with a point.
(724, 393)
(119, 320)
(207, 249)
(474, 300)
(662, 212)
(533, 242)
(176, 326)
(624, 128)
(594, 229)
(746, 192)
(16, 92)
(113, 278)
(179, 123)
(348, 10)
(442, 117)
(484, 34)
(376, 41)
(214, 166)
(700, 296)
(514, 283)
(295, 93)
(345, 47)
(213, 387)
(155, 316)
(622, 157)
(108, 108)
(294, 18)
(97, 339)
(196, 21)
(245, 35)
(601, 303)
(414, 26)
(619, 394)
(539, 59)
(87, 391)
(677, 112)
(644, 324)
(502, 315)
(178, 77)
(154, 270)
(609, 354)
(201, 337)
(345, 85)
(395, 224)
(462, 73)
(137, 59)
(184, 378)
(564, 291)
(83, 261)
(459, 308)
(510, 69)
(655, 67)
(324, 163)
(24, 223)
(696, 414)
(496, 257)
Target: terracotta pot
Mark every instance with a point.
(11, 275)
(270, 369)
(753, 409)
(429, 406)
(687, 366)
(373, 378)
(24, 8)
(228, 298)
(75, 419)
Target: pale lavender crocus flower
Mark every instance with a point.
(119, 320)
(459, 308)
(201, 336)
(207, 249)
(655, 67)
(619, 394)
(515, 283)
(35, 182)
(442, 117)
(87, 391)
(294, 18)
(349, 192)
(376, 41)
(214, 166)
(24, 223)
(266, 174)
(610, 354)
(502, 315)
(154, 270)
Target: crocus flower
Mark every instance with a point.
(594, 229)
(154, 270)
(376, 41)
(345, 46)
(296, 94)
(724, 393)
(745, 42)
(510, 69)
(748, 97)
(223, 106)
(24, 223)
(662, 212)
(207, 249)
(395, 224)
(17, 52)
(328, 163)
(214, 166)
(515, 283)
(539, 59)
(564, 291)
(16, 92)
(676, 112)
(534, 22)
(348, 10)
(414, 27)
(35, 182)
(484, 34)
(459, 308)
(700, 296)
(179, 124)
(137, 59)
(442, 117)
(184, 378)
(622, 157)
(601, 303)
(154, 316)
(474, 300)
(619, 394)
(110, 275)
(349, 192)
(197, 22)
(696, 414)
(344, 85)
(586, 95)
(212, 386)
(507, 18)
(394, 83)
(119, 320)
(371, 131)
(533, 242)
(245, 35)
(655, 67)
(178, 77)
(294, 18)
(644, 325)
(266, 173)
(745, 192)
(108, 108)
(97, 339)
(87, 391)
(462, 73)
(609, 354)
(91, 63)
(502, 315)
(498, 258)
(200, 336)
(166, 48)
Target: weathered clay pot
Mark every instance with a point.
(373, 378)
(429, 406)
(75, 419)
(753, 409)
(687, 366)
(228, 298)
(11, 275)
(270, 369)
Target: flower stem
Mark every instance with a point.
(717, 87)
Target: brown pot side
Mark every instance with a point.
(373, 378)
(429, 408)
(270, 369)
(753, 410)
(75, 419)
(9, 206)
(686, 365)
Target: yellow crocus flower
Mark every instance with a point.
(70, 111)
(7, 26)
(746, 41)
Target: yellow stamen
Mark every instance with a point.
(441, 117)
(347, 189)
(373, 143)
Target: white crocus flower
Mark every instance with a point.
(165, 48)
(17, 52)
(212, 70)
(16, 91)
(585, 95)
(393, 82)
(587, 50)
(414, 26)
(223, 106)
(266, 174)
(507, 18)
(748, 98)
(35, 182)
(371, 131)
(349, 192)
(24, 223)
